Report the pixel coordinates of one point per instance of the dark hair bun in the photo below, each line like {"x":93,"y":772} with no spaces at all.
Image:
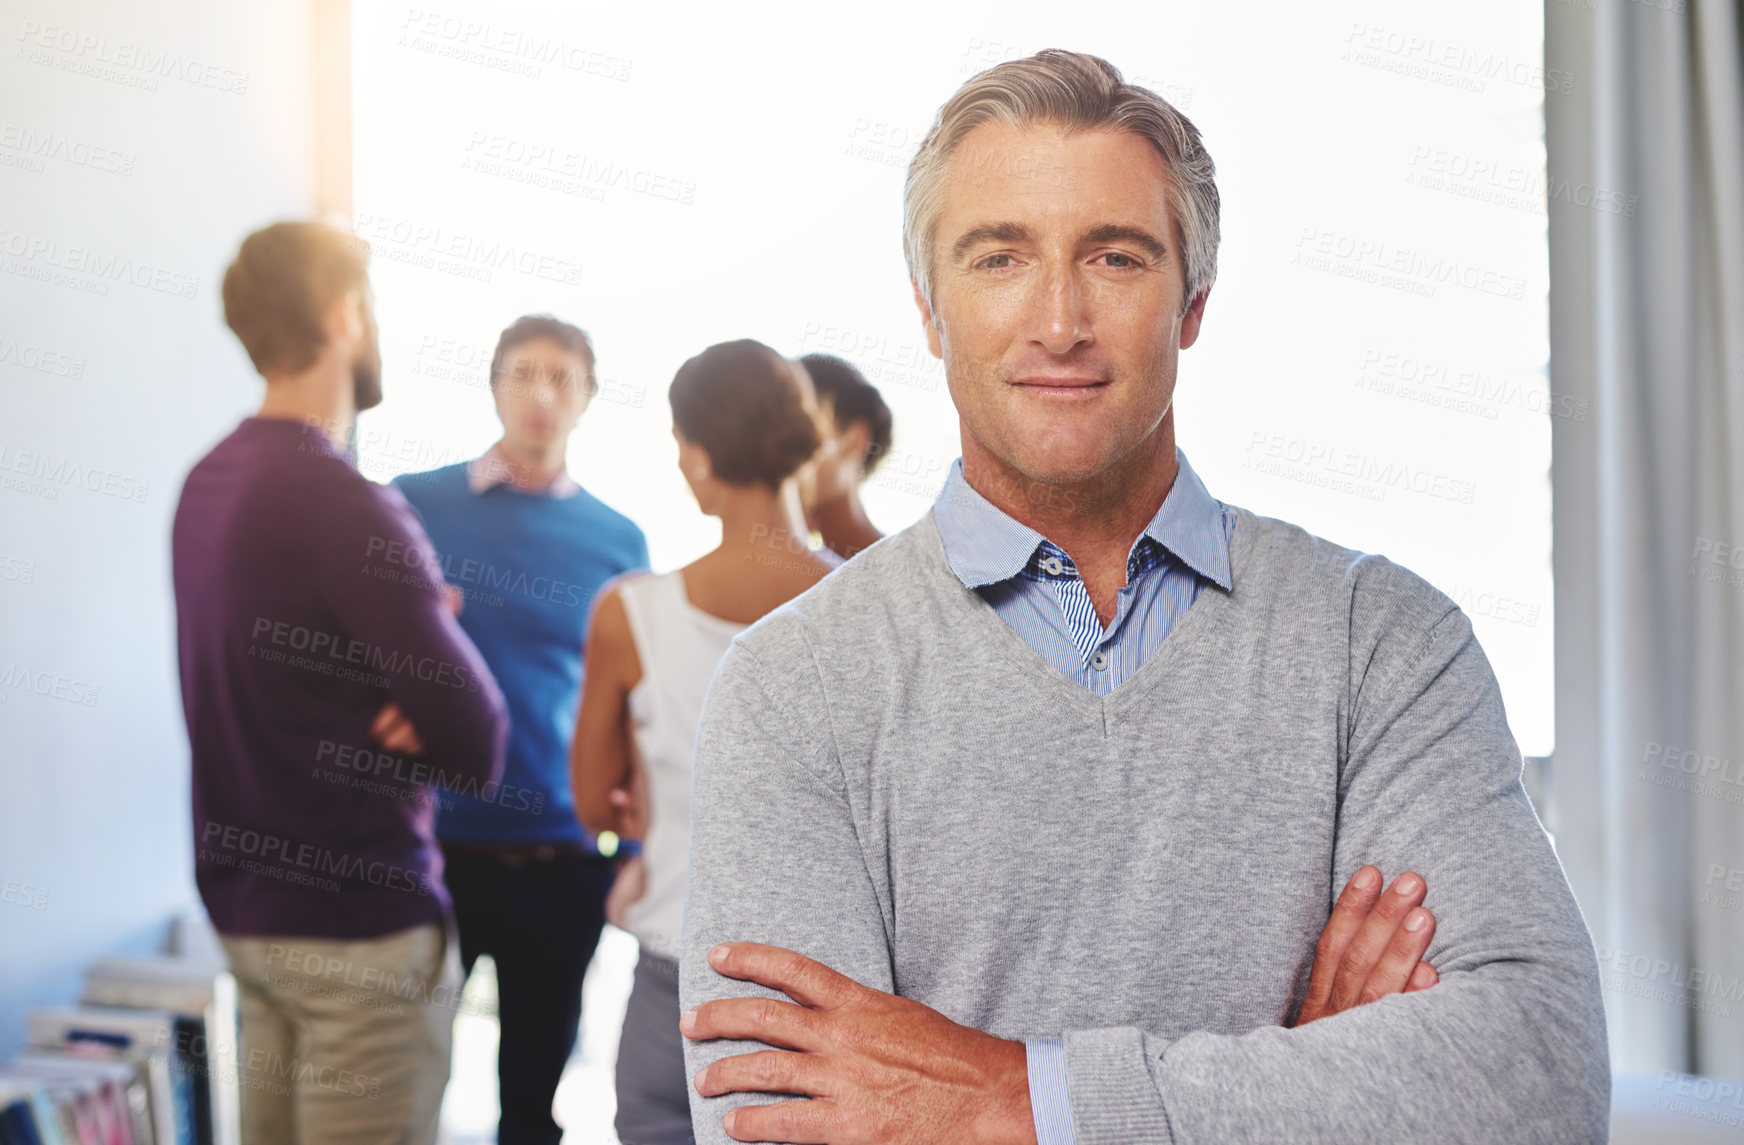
{"x":741,"y":402}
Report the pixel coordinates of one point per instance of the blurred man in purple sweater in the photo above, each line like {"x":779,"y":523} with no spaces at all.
{"x":327,"y":688}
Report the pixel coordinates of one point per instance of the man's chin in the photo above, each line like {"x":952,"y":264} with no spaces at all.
{"x":1069,"y":452}
{"x":537,"y":438}
{"x":1065,"y":465}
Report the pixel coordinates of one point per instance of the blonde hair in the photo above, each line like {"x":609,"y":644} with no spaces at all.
{"x":277,"y":290}
{"x":1081,"y":93}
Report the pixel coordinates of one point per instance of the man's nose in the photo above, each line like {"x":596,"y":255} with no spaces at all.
{"x":1061,"y":315}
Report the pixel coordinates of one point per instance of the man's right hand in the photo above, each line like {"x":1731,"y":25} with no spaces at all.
{"x":391,"y":727}
{"x":1368,"y":949}
{"x":393,"y":731}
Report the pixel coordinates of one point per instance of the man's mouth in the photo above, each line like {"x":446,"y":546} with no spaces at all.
{"x":1064,"y":386}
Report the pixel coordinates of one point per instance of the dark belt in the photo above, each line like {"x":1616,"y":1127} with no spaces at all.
{"x":520,"y":854}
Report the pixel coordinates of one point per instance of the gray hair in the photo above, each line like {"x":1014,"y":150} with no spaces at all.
{"x":1081,"y":93}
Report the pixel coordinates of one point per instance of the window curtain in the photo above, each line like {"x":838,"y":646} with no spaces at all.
{"x":1645,"y":139}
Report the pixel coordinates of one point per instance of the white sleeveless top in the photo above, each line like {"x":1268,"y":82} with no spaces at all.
{"x":679,"y":646}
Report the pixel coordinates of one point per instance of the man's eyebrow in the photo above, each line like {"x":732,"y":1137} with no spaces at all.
{"x":1118,"y":232}
{"x":1017,"y":233}
{"x":989,"y":233}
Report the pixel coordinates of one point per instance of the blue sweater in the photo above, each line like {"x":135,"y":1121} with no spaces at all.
{"x":529,"y":566}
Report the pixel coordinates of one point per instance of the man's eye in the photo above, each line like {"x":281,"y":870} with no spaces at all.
{"x":1123,"y":261}
{"x":988,"y":262}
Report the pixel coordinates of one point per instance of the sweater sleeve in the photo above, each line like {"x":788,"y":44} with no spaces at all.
{"x":1509,"y":1047}
{"x":375,"y":572}
{"x":772,"y":838}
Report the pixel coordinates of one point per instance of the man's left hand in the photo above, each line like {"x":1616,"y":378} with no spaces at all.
{"x":880,"y":1069}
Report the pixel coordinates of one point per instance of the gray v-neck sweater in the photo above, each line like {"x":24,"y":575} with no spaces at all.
{"x":889,"y":780}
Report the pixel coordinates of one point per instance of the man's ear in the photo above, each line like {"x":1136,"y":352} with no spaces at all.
{"x":926,"y":317}
{"x":1192,"y":318}
{"x":345,"y":317}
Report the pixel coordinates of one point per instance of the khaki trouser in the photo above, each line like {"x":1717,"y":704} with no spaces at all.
{"x":345,"y":1041}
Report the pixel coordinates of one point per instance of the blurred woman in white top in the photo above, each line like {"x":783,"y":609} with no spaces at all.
{"x":747,"y":423}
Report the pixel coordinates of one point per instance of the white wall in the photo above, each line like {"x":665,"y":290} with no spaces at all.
{"x":139,"y":141}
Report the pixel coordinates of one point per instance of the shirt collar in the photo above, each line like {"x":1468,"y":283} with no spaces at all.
{"x":984,"y":545}
{"x":494,"y":469}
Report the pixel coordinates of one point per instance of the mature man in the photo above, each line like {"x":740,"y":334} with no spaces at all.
{"x":528,"y":548}
{"x":1042,"y":801}
{"x":308,"y":662}
{"x":857,"y":427}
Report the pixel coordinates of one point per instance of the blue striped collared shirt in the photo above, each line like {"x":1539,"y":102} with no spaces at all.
{"x":1034,"y":587}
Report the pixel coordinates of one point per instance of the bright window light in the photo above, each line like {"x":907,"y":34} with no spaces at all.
{"x":1373,"y":360}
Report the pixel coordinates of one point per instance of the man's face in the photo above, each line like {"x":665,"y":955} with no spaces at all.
{"x":541,"y":392}
{"x":366,"y":363}
{"x":1057,"y":298}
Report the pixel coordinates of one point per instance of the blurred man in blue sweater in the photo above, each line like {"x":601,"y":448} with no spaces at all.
{"x":528,"y":548}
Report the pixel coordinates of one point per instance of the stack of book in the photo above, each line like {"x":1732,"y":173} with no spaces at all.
{"x":148,"y":1057}
{"x":65,"y":1099}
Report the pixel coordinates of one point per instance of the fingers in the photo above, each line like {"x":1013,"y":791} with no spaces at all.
{"x":395,"y":732}
{"x":1422,"y":978}
{"x":768,"y":1020}
{"x":630,"y":808}
{"x":798,"y":1122}
{"x":403,"y":737}
{"x":385,"y":719}
{"x":806,"y":981}
{"x":1371,"y":940}
{"x":1401,"y":958}
{"x":1353,"y":906}
{"x":767,"y":1071}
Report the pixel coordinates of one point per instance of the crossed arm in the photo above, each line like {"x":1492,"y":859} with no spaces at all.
{"x":882,"y":1068}
{"x":1509,"y":1045}
{"x":444,"y":705}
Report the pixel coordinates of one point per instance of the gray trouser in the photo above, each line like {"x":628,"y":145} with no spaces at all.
{"x":653,"y":1090}
{"x":345,"y":1042}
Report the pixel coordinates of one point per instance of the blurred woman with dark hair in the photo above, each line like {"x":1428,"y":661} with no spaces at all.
{"x":746,"y":421}
{"x":857,"y":432}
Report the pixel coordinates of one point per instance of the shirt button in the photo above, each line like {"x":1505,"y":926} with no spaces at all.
{"x":1099,"y":661}
{"x":1052,"y":566}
